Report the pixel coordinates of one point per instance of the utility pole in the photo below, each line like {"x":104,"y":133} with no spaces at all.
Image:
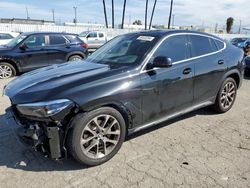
{"x":170,"y":14}
{"x":240,"y":27}
{"x":216,"y":28}
{"x":123,"y":14}
{"x":113,"y":16}
{"x":53,"y":15}
{"x":152,"y":15}
{"x":173,"y":21}
{"x":146,"y":14}
{"x":105,"y":13}
{"x":27,"y":13}
{"x":75,"y":20}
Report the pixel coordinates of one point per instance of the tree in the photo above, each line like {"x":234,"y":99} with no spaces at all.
{"x":230,"y":22}
{"x":137,"y":22}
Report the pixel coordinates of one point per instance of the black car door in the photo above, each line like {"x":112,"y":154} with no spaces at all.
{"x":58,"y":47}
{"x":33,"y":53}
{"x":210,"y":67}
{"x":165,"y":91}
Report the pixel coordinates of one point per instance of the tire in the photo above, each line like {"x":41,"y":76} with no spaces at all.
{"x":75,"y":58}
{"x":83,"y":126}
{"x":223,"y":96}
{"x":7,"y":70}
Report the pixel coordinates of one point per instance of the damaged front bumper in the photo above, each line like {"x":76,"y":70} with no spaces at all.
{"x":48,"y":139}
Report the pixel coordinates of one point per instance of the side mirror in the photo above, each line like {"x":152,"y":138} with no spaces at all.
{"x":162,"y":62}
{"x":23,"y":46}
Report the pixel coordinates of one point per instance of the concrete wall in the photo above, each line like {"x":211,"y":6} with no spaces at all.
{"x":73,"y":29}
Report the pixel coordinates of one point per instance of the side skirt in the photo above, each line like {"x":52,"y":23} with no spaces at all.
{"x":172,"y":116}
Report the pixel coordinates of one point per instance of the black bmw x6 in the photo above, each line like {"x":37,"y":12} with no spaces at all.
{"x":135,"y":81}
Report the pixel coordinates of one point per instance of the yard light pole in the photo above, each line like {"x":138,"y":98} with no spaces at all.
{"x":152,"y":15}
{"x":75,"y":20}
{"x":170,"y":14}
{"x":53,"y":15}
{"x":146,"y":14}
{"x":105,"y":13}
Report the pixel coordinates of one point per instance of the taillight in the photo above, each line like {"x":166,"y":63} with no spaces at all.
{"x":84,"y":45}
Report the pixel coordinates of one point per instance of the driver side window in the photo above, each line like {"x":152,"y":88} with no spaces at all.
{"x":174,"y":47}
{"x":35,"y":41}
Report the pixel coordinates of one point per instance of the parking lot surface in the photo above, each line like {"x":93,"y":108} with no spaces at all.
{"x":200,"y":149}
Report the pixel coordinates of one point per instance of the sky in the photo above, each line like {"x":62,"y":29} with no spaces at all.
{"x":187,"y":12}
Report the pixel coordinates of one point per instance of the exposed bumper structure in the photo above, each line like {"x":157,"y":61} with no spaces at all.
{"x":48,"y":140}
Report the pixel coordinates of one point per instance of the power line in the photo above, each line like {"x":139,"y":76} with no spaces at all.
{"x":75,"y":20}
{"x":151,"y":19}
{"x":105,"y":13}
{"x":53,"y":15}
{"x":123,"y":14}
{"x":146,"y":14}
{"x":27,"y":13}
{"x":113,"y":16}
{"x":170,"y":14}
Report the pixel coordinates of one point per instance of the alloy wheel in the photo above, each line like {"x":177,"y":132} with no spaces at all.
{"x":5,"y":71}
{"x":100,"y":136}
{"x":76,"y":59}
{"x":228,"y":95}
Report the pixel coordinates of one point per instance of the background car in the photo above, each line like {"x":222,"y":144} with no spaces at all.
{"x":6,"y":37}
{"x":239,"y":42}
{"x":94,"y":39}
{"x":34,"y":50}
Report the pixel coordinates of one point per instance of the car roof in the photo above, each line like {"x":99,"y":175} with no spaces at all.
{"x":47,"y":33}
{"x":162,"y":33}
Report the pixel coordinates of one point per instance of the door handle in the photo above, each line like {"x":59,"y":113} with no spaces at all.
{"x":187,"y":71}
{"x":220,"y":62}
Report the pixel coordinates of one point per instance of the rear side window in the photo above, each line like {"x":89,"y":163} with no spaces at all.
{"x":213,"y":45}
{"x":101,"y":35}
{"x":5,"y":36}
{"x":174,"y":47}
{"x":73,"y":38}
{"x":200,"y":45}
{"x":56,"y":40}
{"x":219,"y":44}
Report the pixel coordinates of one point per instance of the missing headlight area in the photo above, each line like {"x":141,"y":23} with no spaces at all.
{"x":46,"y":134}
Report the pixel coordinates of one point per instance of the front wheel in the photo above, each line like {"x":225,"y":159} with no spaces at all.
{"x":6,"y":70}
{"x":75,"y":58}
{"x":226,"y":96}
{"x":96,"y":136}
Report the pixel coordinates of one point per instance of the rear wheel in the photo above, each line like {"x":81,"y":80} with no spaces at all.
{"x":75,"y":58}
{"x":96,"y":136}
{"x":226,"y":96}
{"x":6,"y":70}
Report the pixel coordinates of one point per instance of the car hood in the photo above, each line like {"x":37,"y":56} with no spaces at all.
{"x":46,"y":83}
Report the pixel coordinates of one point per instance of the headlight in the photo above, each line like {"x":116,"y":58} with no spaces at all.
{"x":44,"y":109}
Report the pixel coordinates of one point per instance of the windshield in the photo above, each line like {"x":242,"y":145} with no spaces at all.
{"x":16,"y":41}
{"x":124,"y":50}
{"x":83,"y":34}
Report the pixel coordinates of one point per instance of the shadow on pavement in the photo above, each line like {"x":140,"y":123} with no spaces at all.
{"x":247,"y":76}
{"x":14,"y":154}
{"x":203,"y":111}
